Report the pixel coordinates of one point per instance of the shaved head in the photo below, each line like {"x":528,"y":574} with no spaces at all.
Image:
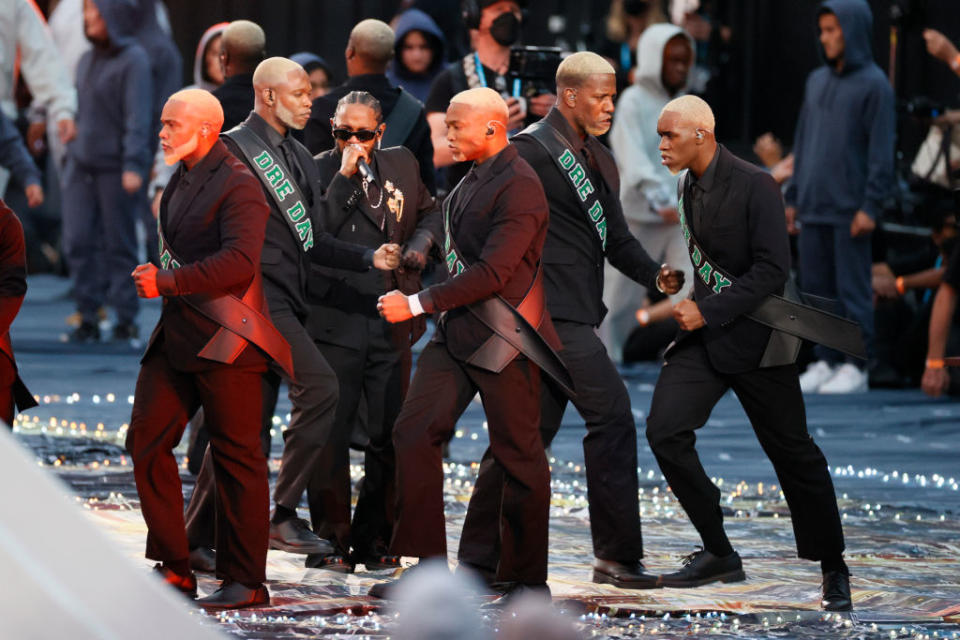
{"x":190,"y":123}
{"x":692,"y":111}
{"x":476,"y":124}
{"x":577,"y":68}
{"x":281,"y":90}
{"x":373,"y":41}
{"x":201,"y":105}
{"x":244,"y":43}
{"x":485,"y":100}
{"x":275,"y":71}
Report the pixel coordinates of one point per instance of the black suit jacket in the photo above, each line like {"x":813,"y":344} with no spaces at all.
{"x":337,"y":296}
{"x":285,"y":265}
{"x":216,"y":231}
{"x":236,"y":97}
{"x":318,"y":137}
{"x":743,"y":230}
{"x":573,"y":255}
{"x":499,"y":222}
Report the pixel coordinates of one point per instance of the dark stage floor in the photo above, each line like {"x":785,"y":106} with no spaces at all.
{"x":893,"y":455}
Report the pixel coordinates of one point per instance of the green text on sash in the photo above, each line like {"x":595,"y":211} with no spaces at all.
{"x":272,"y":173}
{"x":704,"y":269}
{"x":582,"y":185}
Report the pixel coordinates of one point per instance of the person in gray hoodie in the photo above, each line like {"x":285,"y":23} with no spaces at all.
{"x":107,"y":167}
{"x":843,"y":172}
{"x":647,"y":189}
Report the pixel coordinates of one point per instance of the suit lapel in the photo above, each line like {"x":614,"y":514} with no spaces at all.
{"x":718,"y":194}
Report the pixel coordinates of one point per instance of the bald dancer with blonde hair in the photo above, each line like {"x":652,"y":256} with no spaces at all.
{"x":211,"y":223}
{"x":731,"y":216}
{"x":495,"y":224}
{"x":587,"y":228}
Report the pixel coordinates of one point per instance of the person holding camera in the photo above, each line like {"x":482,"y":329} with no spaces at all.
{"x":494,"y":26}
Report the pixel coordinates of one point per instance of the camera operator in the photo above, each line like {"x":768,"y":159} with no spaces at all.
{"x":494,"y":27}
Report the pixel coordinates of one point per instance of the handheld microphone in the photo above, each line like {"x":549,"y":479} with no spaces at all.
{"x":365,"y":171}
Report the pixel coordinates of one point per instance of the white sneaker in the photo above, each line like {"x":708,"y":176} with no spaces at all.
{"x":847,"y":379}
{"x":816,"y":374}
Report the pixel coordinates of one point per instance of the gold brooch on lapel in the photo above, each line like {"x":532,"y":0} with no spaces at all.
{"x":395,"y":199}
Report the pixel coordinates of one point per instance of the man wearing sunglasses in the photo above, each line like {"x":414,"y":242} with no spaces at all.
{"x":372,"y":358}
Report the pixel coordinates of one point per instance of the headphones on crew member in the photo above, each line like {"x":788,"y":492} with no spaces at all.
{"x":470,"y":11}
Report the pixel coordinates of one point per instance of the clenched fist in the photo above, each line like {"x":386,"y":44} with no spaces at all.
{"x":670,"y":280}
{"x":145,"y":278}
{"x":387,"y":257}
{"x":394,"y":307}
{"x":687,"y":314}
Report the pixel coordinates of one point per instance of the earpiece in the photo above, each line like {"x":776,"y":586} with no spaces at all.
{"x":699,"y":135}
{"x":489,"y":131}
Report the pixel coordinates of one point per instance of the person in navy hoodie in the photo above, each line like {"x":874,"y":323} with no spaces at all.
{"x":107,"y":166}
{"x":418,"y":53}
{"x":843,"y":171}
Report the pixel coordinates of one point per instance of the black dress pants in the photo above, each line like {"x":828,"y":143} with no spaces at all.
{"x":609,"y":448}
{"x":686,"y":392}
{"x":314,"y":398}
{"x":376,"y":373}
{"x":165,"y":399}
{"x":441,"y":389}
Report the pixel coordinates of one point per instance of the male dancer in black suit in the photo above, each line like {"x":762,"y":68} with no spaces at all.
{"x":732,"y":217}
{"x":210,"y":349}
{"x":495,"y":223}
{"x":294,"y":238}
{"x":370,"y":356}
{"x":14,"y":394}
{"x":586,"y":227}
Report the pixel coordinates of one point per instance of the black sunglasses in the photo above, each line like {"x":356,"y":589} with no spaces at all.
{"x":363,"y":135}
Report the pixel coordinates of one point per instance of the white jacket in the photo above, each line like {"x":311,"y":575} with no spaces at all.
{"x":22,"y":27}
{"x":645,"y":184}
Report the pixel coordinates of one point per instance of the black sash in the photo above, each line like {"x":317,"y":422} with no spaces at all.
{"x":278,"y":181}
{"x":401,"y":120}
{"x":514,"y":328}
{"x":777,"y":312}
{"x":239,"y":321}
{"x":22,"y":397}
{"x":558,"y":148}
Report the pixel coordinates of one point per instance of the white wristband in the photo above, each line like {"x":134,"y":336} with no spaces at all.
{"x":415,"y":307}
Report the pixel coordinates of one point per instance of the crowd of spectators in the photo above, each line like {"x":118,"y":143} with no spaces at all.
{"x":81,"y":89}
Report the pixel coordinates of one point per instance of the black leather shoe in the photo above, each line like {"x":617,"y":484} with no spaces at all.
{"x":234,"y":595}
{"x":328,"y":561}
{"x":836,"y":592}
{"x":387,"y":590}
{"x":184,"y":584}
{"x":510,"y":591}
{"x":294,"y":535}
{"x":702,"y":567}
{"x":203,"y":559}
{"x":626,"y":576}
{"x":377,"y":562}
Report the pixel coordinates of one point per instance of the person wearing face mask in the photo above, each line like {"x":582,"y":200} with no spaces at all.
{"x":586,"y":229}
{"x":295,"y":237}
{"x":495,"y":25}
{"x":371,"y":357}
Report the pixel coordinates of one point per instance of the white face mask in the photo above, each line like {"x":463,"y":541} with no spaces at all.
{"x":177,"y":154}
